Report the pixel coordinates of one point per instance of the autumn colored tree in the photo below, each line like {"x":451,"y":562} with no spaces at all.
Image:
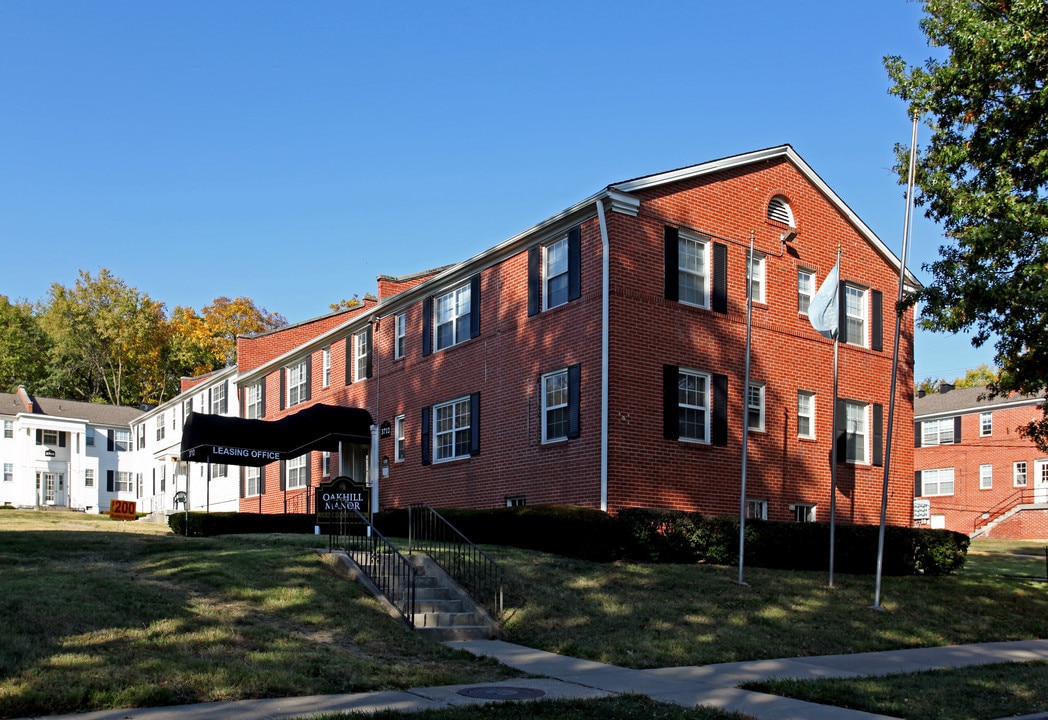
{"x":108,"y":341}
{"x":984,"y":177}
{"x":24,"y":347}
{"x":207,"y":341}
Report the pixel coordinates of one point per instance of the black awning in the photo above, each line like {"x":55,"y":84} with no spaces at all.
{"x":236,"y":441}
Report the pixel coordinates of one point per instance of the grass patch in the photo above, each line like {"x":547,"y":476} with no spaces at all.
{"x":98,"y":618}
{"x":980,"y":691}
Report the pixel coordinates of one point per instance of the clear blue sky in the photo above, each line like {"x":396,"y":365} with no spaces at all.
{"x":292,"y":151}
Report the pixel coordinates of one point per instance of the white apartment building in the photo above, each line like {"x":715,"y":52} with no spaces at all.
{"x":168,"y":485}
{"x":64,"y":453}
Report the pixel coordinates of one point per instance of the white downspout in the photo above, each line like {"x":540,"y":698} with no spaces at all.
{"x":604,"y":323}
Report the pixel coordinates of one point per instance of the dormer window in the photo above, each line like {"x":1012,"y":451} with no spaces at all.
{"x":779,"y":211}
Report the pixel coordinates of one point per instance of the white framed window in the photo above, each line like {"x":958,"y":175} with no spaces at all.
{"x":252,"y":481}
{"x":555,"y":406}
{"x":325,"y":463}
{"x":755,"y":407}
{"x":515,"y":501}
{"x":693,"y":399}
{"x":805,"y":414}
{"x":985,"y":424}
{"x":855,"y":308}
{"x":140,"y":431}
{"x":124,"y":481}
{"x":804,"y":512}
{"x":693,"y":270}
{"x":555,"y":273}
{"x":451,"y":430}
{"x":50,"y":437}
{"x":187,"y":407}
{"x":805,"y":289}
{"x":326,"y":366}
{"x":451,"y":317}
{"x":360,"y":355}
{"x":398,"y":435}
{"x":1019,"y":473}
{"x":937,"y":432}
{"x":122,"y":440}
{"x":89,"y":436}
{"x":9,"y":472}
{"x":89,"y":477}
{"x":400,"y":325}
{"x":756,"y":509}
{"x":986,"y":477}
{"x":297,"y":474}
{"x":937,"y":481}
{"x":297,"y":383}
{"x":9,"y":428}
{"x":161,"y":427}
{"x":219,"y":402}
{"x":755,"y":275}
{"x":856,"y":428}
{"x":253,"y":401}
{"x":219,"y":470}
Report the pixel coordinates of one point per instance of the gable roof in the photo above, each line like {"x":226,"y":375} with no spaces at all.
{"x":960,"y":401}
{"x":93,"y":413}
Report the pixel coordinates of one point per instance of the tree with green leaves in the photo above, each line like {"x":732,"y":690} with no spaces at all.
{"x":984,"y":178}
{"x":24,"y":347}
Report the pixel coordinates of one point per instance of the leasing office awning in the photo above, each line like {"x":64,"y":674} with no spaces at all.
{"x":237,"y":441}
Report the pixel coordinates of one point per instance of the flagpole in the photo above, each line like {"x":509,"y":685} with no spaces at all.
{"x":833,"y":430}
{"x":895,"y":362}
{"x":746,"y":408}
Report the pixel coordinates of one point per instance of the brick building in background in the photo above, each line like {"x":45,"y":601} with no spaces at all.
{"x":598,"y":359}
{"x":972,"y":469}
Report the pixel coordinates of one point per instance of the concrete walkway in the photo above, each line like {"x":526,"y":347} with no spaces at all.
{"x":557,"y":676}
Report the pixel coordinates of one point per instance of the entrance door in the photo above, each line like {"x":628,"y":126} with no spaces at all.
{"x":1040,"y":483}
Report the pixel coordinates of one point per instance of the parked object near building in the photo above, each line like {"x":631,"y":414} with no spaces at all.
{"x":65,"y":454}
{"x":973,"y":472}
{"x":597,"y":359}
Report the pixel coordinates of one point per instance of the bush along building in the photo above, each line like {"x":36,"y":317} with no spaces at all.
{"x":973,"y":472}
{"x":598,"y":359}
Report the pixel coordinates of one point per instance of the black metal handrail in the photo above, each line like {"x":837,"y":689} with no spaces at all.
{"x":391,"y":572}
{"x":1016,"y":498}
{"x":430,"y":532}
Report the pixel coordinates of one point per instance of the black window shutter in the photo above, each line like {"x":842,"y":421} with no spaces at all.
{"x":842,"y":315}
{"x":474,"y":424}
{"x":534,"y":280}
{"x":371,"y":346}
{"x":425,"y":438}
{"x":957,"y":429}
{"x":720,"y":278}
{"x":349,"y":359}
{"x":309,"y":470}
{"x":427,"y":326}
{"x":671,"y":252}
{"x":878,"y":434}
{"x":283,"y":388}
{"x":917,"y":487}
{"x":840,"y":436}
{"x":474,"y":306}
{"x":40,"y":437}
{"x":241,"y":397}
{"x":262,"y":397}
{"x":876,"y":320}
{"x":242,"y":487}
{"x":574,"y":263}
{"x":283,"y":474}
{"x":209,"y":406}
{"x":917,"y":434}
{"x":110,"y":440}
{"x":670,"y":406}
{"x":62,"y":438}
{"x":574,"y":396}
{"x":309,"y":378}
{"x":109,"y":480}
{"x":262,"y":480}
{"x":719,"y":428}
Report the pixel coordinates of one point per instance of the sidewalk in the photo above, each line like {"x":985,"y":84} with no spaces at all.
{"x":558,"y":676}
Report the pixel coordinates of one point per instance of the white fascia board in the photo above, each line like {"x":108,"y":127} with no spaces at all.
{"x":217,"y":377}
{"x":782,"y":151}
{"x":979,"y":409}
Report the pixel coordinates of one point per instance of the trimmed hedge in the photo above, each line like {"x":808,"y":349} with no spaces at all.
{"x":650,"y":535}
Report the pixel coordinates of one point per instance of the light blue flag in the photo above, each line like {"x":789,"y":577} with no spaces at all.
{"x":823,"y":310}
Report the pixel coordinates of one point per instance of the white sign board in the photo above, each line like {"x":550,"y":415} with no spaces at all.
{"x":922,"y":509}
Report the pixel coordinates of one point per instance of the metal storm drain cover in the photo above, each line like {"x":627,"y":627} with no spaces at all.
{"x":502,"y":693}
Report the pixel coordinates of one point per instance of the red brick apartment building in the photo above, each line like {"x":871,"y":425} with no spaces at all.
{"x":598,"y":359}
{"x":973,"y":472}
